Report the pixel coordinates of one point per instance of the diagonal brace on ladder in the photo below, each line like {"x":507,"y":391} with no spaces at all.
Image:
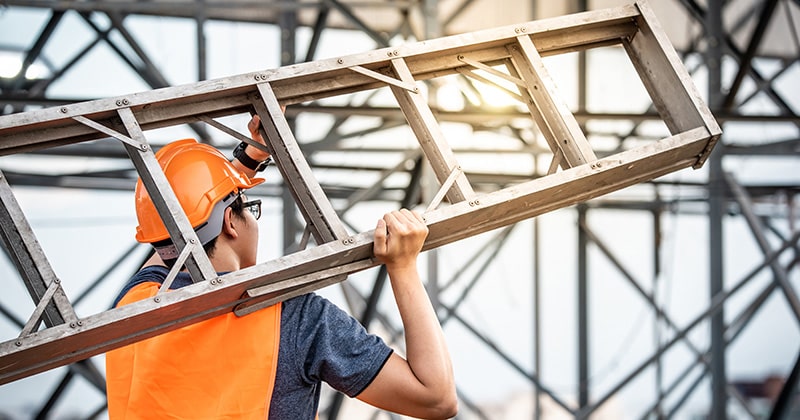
{"x":166,"y":203}
{"x":429,"y":134}
{"x":295,"y":170}
{"x":558,"y":125}
{"x":44,"y":287}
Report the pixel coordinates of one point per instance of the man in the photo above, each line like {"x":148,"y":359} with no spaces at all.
{"x":270,"y":363}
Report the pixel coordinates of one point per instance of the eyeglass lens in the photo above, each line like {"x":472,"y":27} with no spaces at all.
{"x":253,"y":206}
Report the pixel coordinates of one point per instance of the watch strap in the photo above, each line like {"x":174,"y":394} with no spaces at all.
{"x":248,"y":162}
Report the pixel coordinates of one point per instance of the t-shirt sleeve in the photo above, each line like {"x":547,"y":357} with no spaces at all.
{"x":338,"y":349}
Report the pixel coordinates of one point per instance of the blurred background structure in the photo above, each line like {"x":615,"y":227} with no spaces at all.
{"x":675,"y":298}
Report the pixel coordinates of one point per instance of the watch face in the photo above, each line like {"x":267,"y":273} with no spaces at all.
{"x":263,"y":164}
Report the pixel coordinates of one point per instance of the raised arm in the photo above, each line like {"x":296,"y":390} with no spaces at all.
{"x":422,"y":385}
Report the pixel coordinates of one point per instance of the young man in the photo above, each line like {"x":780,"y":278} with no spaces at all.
{"x":270,"y":364}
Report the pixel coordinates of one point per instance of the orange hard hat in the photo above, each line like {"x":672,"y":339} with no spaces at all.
{"x":201,"y":177}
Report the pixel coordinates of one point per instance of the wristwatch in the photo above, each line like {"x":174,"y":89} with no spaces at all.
{"x":248,"y":162}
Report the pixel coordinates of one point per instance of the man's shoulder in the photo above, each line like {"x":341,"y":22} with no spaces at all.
{"x":303,"y":304}
{"x":154,"y":272}
{"x":310,"y":310}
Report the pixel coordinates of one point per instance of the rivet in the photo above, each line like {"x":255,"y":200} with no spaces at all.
{"x":143,"y":147}
{"x":72,"y":325}
{"x":119,"y":103}
{"x":256,"y":77}
{"x":157,"y":299}
{"x":63,"y":110}
{"x":18,"y":343}
{"x":340,"y":61}
{"x":213,"y":281}
{"x":125,"y":101}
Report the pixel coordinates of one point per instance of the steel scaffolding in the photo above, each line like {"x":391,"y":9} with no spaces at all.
{"x":471,"y":195}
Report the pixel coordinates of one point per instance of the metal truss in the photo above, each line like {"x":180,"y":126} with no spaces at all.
{"x":722,"y":197}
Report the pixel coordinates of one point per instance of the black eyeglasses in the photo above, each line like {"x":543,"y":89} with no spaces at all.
{"x":253,"y":206}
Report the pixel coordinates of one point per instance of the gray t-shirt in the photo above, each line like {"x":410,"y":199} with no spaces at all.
{"x":319,"y":343}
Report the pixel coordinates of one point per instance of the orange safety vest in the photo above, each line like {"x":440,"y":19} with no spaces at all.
{"x":220,"y":368}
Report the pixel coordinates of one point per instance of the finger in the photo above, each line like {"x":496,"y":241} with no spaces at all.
{"x":253,"y":124}
{"x":412,"y":219}
{"x":379,"y":242}
{"x":417,"y":215}
{"x":393,"y":220}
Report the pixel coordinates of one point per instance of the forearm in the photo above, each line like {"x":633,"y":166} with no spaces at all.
{"x":422,"y":384}
{"x":426,"y":349}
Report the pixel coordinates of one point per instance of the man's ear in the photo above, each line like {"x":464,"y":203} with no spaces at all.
{"x":229,"y":223}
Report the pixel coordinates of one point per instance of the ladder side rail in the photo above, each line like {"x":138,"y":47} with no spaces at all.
{"x":560,"y":128}
{"x":165,"y":201}
{"x":28,"y":256}
{"x":304,"y":81}
{"x":669,"y":84}
{"x":429,"y":135}
{"x":565,"y":188}
{"x":295,"y":170}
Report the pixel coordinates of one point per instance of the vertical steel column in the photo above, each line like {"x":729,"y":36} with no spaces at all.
{"x":716,"y":212}
{"x":583,"y":242}
{"x":659,"y":315}
{"x":433,"y":29}
{"x":288,"y":27}
{"x":583,"y":317}
{"x":537,"y":359}
{"x":200,"y":24}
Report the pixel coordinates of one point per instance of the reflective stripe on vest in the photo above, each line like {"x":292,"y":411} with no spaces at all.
{"x":220,"y":368}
